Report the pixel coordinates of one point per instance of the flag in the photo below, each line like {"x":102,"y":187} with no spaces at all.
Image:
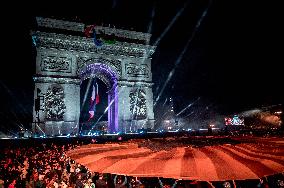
{"x":96,"y":41}
{"x":97,"y":95}
{"x":88,"y":30}
{"x":92,"y":108}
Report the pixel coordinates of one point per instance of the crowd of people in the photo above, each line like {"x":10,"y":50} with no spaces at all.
{"x":167,"y":143}
{"x":46,"y":164}
{"x":40,"y":166}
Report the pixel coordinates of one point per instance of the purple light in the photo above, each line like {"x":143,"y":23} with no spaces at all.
{"x":113,"y":110}
{"x":116,"y":109}
{"x":109,"y":77}
{"x":109,"y":114}
{"x":100,"y":69}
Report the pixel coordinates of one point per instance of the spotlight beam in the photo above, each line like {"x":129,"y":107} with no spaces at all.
{"x":18,"y":103}
{"x":146,"y":55}
{"x":14,"y":134}
{"x":156,"y":43}
{"x":183,"y":52}
{"x":170,"y":24}
{"x":189,"y":114}
{"x":150,"y":25}
{"x":165,"y":101}
{"x":12,"y":123}
{"x":187,"y":107}
{"x":86,"y":93}
{"x":111,"y":102}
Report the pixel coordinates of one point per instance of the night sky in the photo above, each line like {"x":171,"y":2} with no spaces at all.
{"x":233,"y":62}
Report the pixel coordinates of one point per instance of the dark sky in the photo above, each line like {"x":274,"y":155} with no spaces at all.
{"x":233,"y":62}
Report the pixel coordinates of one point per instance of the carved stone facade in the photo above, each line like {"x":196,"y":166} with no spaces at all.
{"x":138,"y":71}
{"x":56,"y":64}
{"x":138,"y":103}
{"x":58,"y":24}
{"x":54,"y":105}
{"x":64,"y":61}
{"x":76,"y":43}
{"x":84,"y":61}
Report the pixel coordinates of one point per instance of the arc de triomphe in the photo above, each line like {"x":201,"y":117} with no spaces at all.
{"x":65,"y":57}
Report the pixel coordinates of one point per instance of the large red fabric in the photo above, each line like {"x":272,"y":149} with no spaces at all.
{"x":248,"y":160}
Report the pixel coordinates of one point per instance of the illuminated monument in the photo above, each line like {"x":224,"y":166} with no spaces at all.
{"x":65,"y":57}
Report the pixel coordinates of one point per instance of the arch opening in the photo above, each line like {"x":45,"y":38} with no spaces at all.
{"x":103,"y":74}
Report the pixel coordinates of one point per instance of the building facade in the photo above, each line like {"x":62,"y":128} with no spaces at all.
{"x":66,"y":57}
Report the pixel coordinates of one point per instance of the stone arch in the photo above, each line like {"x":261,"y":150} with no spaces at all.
{"x":113,"y":64}
{"x":66,"y":60}
{"x":109,"y":77}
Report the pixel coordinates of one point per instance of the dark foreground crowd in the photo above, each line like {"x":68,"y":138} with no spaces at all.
{"x":46,"y":165}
